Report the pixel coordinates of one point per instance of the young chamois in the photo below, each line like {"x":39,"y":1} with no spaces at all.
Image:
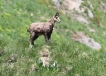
{"x":42,"y":28}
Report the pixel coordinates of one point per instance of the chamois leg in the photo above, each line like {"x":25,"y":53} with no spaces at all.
{"x":46,"y":38}
{"x":35,"y":37}
{"x":49,"y":36}
{"x":32,"y":34}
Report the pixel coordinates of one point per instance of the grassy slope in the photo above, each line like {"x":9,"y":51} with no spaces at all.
{"x":73,"y":59}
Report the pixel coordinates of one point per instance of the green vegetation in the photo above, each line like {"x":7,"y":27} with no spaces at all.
{"x":72,"y":58}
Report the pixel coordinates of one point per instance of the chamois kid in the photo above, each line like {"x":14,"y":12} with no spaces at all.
{"x":42,"y":28}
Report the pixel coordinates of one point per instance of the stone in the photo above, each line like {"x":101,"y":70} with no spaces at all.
{"x":82,"y":19}
{"x":90,"y":14}
{"x":57,"y":3}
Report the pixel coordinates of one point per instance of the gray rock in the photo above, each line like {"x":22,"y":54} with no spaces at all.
{"x":90,"y":14}
{"x":57,"y":3}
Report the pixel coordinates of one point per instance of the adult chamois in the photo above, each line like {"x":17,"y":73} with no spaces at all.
{"x":42,"y":28}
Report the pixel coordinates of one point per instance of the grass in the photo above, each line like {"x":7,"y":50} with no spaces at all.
{"x":72,"y":58}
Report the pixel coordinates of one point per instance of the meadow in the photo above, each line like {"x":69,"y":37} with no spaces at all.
{"x":71,"y":58}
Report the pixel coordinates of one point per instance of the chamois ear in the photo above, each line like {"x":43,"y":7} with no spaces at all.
{"x":57,"y":14}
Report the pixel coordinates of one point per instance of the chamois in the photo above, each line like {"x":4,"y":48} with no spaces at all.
{"x":42,"y":28}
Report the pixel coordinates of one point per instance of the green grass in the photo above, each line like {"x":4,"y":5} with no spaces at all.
{"x":72,"y":58}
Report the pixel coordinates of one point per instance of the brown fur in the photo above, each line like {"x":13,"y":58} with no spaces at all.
{"x":42,"y":28}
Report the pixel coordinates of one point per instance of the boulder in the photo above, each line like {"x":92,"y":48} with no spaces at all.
{"x":90,"y":14}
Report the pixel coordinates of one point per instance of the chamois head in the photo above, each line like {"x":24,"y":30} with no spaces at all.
{"x":56,"y":17}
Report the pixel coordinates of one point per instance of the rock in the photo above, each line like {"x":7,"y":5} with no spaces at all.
{"x":91,"y":30}
{"x":72,"y":5}
{"x":90,"y":14}
{"x":82,"y":19}
{"x":85,"y":39}
{"x":93,"y":44}
{"x":102,"y":6}
{"x":57,"y":3}
{"x":90,"y":5}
